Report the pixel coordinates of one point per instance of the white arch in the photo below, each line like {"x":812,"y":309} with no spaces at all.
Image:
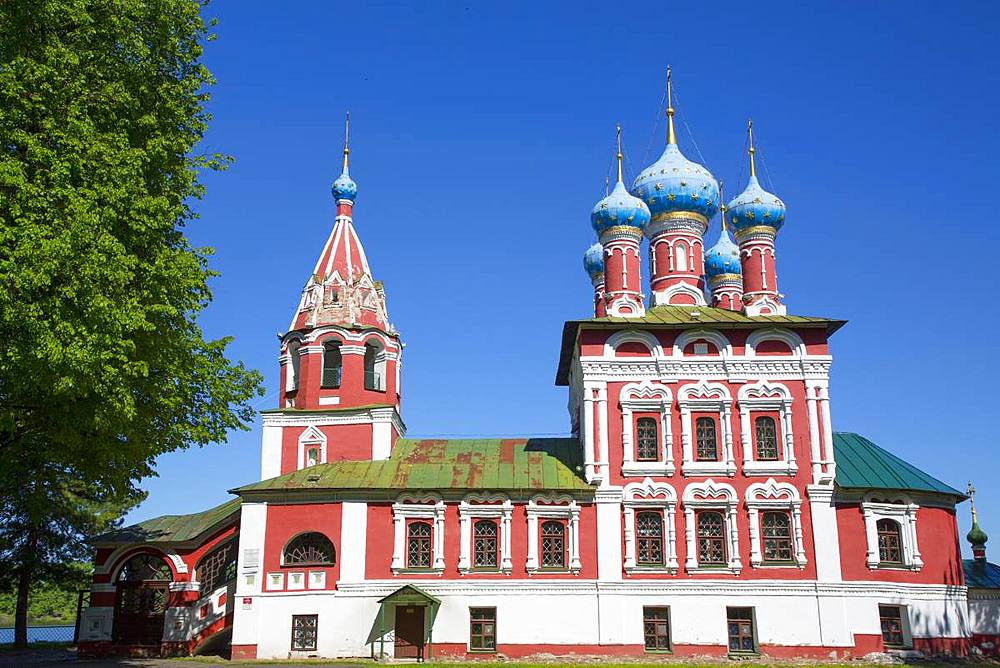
{"x":116,"y":560}
{"x":774,"y":495}
{"x":764,"y":390}
{"x":663,"y":297}
{"x":704,"y":390}
{"x":311,"y":436}
{"x":657,"y":493}
{"x":710,"y":495}
{"x":723,"y":345}
{"x":788,"y":337}
{"x":772,"y":490}
{"x":645,"y":391}
{"x":633,"y":336}
{"x":710,"y":492}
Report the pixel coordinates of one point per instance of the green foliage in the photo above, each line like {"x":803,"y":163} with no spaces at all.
{"x":49,"y":603}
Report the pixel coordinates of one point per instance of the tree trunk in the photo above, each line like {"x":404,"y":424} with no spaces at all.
{"x":25,"y":571}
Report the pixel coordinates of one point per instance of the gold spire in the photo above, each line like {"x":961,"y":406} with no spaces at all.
{"x":971,"y":491}
{"x":753,"y":168}
{"x":671,"y":137}
{"x":619,"y":130}
{"x":347,"y":137}
{"x":722,"y":207}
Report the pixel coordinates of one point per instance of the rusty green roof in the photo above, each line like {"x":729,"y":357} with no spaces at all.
{"x":172,"y":528}
{"x":682,"y":317}
{"x":863,"y":465}
{"x":452,"y":465}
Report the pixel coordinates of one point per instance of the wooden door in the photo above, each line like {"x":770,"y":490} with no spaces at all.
{"x":409,"y":632}
{"x":139,"y":611}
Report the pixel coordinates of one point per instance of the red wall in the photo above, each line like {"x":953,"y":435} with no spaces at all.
{"x":287,"y":521}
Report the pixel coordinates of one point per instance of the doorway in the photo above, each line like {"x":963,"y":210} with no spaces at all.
{"x":409,"y":632}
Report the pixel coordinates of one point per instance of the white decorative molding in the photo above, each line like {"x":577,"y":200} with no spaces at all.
{"x":665,"y":297}
{"x":646,"y":397}
{"x":766,"y":305}
{"x":773,"y":495}
{"x":627,"y":306}
{"x":481,"y":506}
{"x":706,"y":397}
{"x":786,"y":336}
{"x":633,"y":336}
{"x":430,"y":507}
{"x":312,"y":437}
{"x":733,"y":369}
{"x":898,"y":508}
{"x":114,"y":561}
{"x":766,"y":396}
{"x":650,"y":496}
{"x":275,"y":581}
{"x":716,"y":338}
{"x":337,"y":416}
{"x":710,"y":495}
{"x":560,"y":507}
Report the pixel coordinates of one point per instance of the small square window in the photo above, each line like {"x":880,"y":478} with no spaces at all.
{"x":742,"y":634}
{"x":656,"y":628}
{"x":304,"y":632}
{"x":891,"y":618}
{"x":701,"y":349}
{"x":483,"y":629}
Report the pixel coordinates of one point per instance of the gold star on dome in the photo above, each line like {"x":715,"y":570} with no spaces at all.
{"x":650,"y":200}
{"x":756,"y":200}
{"x":671,"y":197}
{"x":749,"y":215}
{"x":629,"y":219}
{"x":659,"y":186}
{"x":694,"y":196}
{"x":766,"y":215}
{"x":603,"y":205}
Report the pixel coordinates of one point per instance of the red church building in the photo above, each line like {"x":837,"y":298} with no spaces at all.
{"x":703,"y":504}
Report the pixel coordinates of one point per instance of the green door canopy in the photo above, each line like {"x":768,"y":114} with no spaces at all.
{"x":405,"y":595}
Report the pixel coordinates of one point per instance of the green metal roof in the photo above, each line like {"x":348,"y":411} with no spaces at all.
{"x":863,"y":465}
{"x":171,"y":528}
{"x":981,"y":574}
{"x":682,"y":317}
{"x":516,"y":464}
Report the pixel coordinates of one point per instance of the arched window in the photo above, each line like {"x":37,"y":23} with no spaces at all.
{"x":890,"y":542}
{"x":418,"y":545}
{"x":649,"y":538}
{"x":332,"y":364}
{"x":553,"y":544}
{"x":766,"y":438}
{"x":776,"y":528}
{"x":485,"y":544}
{"x":293,"y":354}
{"x":217,"y":568}
{"x":680,"y":257}
{"x":711,"y":538}
{"x":309,"y":549}
{"x":145,"y":568}
{"x":706,"y":440}
{"x":646,"y":447}
{"x":374,"y":366}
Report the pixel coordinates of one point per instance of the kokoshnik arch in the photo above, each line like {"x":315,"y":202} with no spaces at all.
{"x":704,"y":503}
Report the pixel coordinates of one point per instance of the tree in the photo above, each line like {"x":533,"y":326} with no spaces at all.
{"x":103,"y":365}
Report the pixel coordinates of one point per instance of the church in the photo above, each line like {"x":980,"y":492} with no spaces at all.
{"x":703,"y":505}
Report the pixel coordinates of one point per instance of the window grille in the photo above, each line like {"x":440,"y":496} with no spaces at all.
{"x":776,"y":527}
{"x":656,"y":628}
{"x":891,"y":618}
{"x":304,"y":632}
{"x":332,"y":365}
{"x":145,"y":568}
{"x":890,"y":543}
{"x":647,"y":449}
{"x":309,"y":549}
{"x":483,"y":629}
{"x":484,"y":544}
{"x":706,"y":440}
{"x":649,"y":538}
{"x":418,"y":545}
{"x":741,"y":630}
{"x":767,"y":438}
{"x":217,"y":568}
{"x":711,"y":538}
{"x":553,"y":544}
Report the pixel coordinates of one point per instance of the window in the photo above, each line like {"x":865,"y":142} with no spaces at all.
{"x":313,"y":455}
{"x":741,"y":630}
{"x":304,"y":629}
{"x":553,"y":544}
{"x":309,"y":549}
{"x":891,"y":617}
{"x":656,"y":629}
{"x":649,"y":536}
{"x":484,"y":544}
{"x":145,"y":568}
{"x":483,"y":629}
{"x":374,"y":367}
{"x":647,"y":449}
{"x":706,"y":439}
{"x":889,"y":542}
{"x":293,"y":353}
{"x":711,"y":538}
{"x":332,"y":364}
{"x":776,"y":527}
{"x":681,"y":260}
{"x":418,"y":545}
{"x":767,"y":438}
{"x":217,"y":568}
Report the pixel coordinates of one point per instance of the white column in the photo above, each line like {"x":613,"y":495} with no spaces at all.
{"x":629,"y":515}
{"x":692,"y":554}
{"x":727,"y":435}
{"x":800,"y":550}
{"x":668,"y":437}
{"x":826,"y":536}
{"x":734,"y":539}
{"x":381,"y":434}
{"x":745,"y":437}
{"x":755,"y":552}
{"x":588,"y":432}
{"x":609,"y":531}
{"x":505,"y":560}
{"x":398,"y":541}
{"x":465,"y":538}
{"x":353,"y":541}
{"x":574,"y":538}
{"x":686,"y":446}
{"x":439,"y":536}
{"x":628,"y":449}
{"x":786,"y":429}
{"x":531,"y":561}
{"x":814,"y":448}
{"x":671,"y":534}
{"x":250,"y":578}
{"x":824,"y":405}
{"x":602,"y":434}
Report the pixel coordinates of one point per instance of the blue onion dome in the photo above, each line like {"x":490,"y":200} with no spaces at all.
{"x":344,"y":187}
{"x":619,"y":209}
{"x":673,"y":183}
{"x":723,"y":257}
{"x":755,"y":207}
{"x":593,"y":260}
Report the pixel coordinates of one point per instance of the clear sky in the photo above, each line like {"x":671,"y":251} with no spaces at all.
{"x":481,"y":137}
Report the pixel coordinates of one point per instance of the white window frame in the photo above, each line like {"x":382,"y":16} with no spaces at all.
{"x":648,"y":495}
{"x":901,"y":510}
{"x":706,"y":397}
{"x":417,"y":508}
{"x":710,"y":495}
{"x":646,"y":398}
{"x":904,"y":618}
{"x":764,"y":396}
{"x":275,"y":581}
{"x":311,"y":437}
{"x":774,"y":495}
{"x":541,"y":507}
{"x":478,"y":507}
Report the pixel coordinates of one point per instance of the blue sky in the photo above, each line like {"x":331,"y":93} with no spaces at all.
{"x":482,"y":134}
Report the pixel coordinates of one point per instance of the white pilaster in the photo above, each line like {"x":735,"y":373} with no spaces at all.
{"x":250,"y":575}
{"x":270,"y":452}
{"x":353,"y":541}
{"x":609,"y":532}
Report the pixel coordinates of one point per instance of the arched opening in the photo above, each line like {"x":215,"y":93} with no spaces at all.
{"x":890,"y":542}
{"x":309,"y":549}
{"x":766,"y":438}
{"x":680,"y":257}
{"x":649,"y":538}
{"x":294,"y":360}
{"x":142,"y":589}
{"x":332,"y":365}
{"x":374,"y":366}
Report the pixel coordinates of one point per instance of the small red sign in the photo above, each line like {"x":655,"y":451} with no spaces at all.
{"x":247,"y":602}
